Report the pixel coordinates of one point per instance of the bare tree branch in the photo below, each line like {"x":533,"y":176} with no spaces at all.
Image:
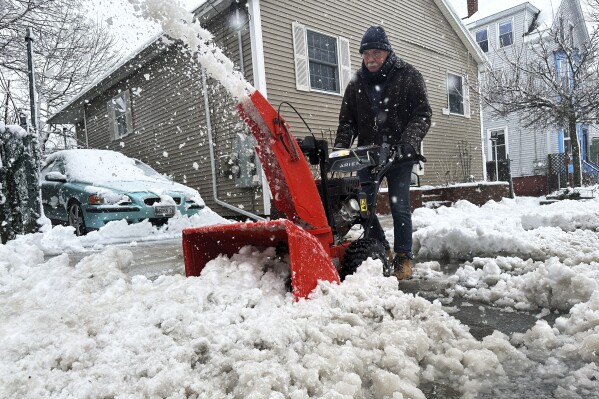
{"x":70,"y":50}
{"x":550,"y":80}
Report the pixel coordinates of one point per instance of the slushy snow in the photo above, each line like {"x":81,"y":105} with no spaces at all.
{"x":94,"y":330}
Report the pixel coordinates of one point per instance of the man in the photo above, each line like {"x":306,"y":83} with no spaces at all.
{"x":387,"y":98}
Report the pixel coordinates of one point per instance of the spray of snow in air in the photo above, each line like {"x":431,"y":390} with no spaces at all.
{"x":178,"y":23}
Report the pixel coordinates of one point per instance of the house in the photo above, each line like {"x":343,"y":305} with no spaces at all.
{"x":508,"y":29}
{"x":161,"y":107}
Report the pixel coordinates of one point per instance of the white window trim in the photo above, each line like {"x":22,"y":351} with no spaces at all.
{"x":302,"y":62}
{"x":499,"y":35}
{"x":486,"y":28}
{"x":112,"y":126}
{"x":465,"y":95}
{"x":490,"y":143}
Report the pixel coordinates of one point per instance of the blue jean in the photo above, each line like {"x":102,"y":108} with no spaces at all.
{"x":398,"y":181}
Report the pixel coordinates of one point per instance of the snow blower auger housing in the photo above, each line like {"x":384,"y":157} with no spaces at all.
{"x":319,"y":214}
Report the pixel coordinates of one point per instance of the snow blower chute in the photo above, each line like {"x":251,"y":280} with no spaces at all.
{"x":305,"y":232}
{"x":319,"y":213}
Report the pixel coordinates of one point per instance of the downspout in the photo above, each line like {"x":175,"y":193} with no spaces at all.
{"x":212,"y":158}
{"x":259,"y":74}
{"x":85,"y":127}
{"x":482,"y":128}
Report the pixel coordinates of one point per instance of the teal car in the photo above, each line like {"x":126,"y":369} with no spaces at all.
{"x":87,"y":188}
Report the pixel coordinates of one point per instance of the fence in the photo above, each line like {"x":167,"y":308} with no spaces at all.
{"x":557,"y":172}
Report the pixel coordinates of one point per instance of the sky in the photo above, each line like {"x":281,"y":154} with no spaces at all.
{"x":490,"y":7}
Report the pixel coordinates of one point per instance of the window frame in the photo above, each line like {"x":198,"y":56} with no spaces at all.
{"x":465,"y":94}
{"x":566,"y":141}
{"x":492,"y":145}
{"x":302,"y":62}
{"x":486,"y":30}
{"x":337,"y":65}
{"x":114,"y":119}
{"x":511,"y":22}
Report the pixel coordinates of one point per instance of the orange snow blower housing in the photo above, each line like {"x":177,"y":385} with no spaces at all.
{"x":318,"y":213}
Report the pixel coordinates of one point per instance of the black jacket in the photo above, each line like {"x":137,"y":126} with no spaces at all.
{"x":404,"y":113}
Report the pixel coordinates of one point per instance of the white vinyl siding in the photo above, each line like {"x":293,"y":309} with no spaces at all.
{"x":329,"y":70}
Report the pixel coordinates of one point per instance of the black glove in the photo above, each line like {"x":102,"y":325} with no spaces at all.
{"x":407,"y":153}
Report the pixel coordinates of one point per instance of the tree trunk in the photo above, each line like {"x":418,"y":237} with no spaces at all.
{"x":577,"y":178}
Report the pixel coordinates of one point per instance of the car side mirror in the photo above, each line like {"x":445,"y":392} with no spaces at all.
{"x":56,"y":177}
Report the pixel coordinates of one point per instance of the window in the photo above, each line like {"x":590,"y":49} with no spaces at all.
{"x":322,"y":57}
{"x":120,"y":120}
{"x":482,"y":38}
{"x":498,"y":147}
{"x":455,"y":90}
{"x":506,"y":34}
{"x":322,"y":62}
{"x":563,"y":72}
{"x":567,"y":146}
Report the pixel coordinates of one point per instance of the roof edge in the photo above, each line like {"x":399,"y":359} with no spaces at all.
{"x":467,"y":39}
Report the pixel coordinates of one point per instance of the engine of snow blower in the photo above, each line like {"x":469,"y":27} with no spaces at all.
{"x":344,"y":200}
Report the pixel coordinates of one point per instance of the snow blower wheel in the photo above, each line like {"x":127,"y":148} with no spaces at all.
{"x":360,"y":250}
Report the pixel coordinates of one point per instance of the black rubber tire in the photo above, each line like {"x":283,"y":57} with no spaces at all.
{"x":75,"y":217}
{"x":360,"y":250}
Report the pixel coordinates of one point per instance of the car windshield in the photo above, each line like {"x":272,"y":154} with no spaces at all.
{"x":101,"y":166}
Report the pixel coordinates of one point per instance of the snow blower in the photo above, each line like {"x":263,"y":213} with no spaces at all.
{"x":319,"y":214}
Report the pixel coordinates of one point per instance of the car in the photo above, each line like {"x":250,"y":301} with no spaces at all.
{"x":87,"y":188}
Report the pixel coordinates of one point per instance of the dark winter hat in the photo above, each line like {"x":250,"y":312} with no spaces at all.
{"x":375,"y":37}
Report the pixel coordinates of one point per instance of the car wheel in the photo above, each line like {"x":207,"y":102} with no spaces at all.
{"x":76,"y":219}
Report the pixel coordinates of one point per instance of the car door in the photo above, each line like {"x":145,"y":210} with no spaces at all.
{"x":53,"y":180}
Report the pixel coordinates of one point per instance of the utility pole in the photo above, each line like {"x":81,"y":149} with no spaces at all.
{"x":33,"y":198}
{"x":6,"y":102}
{"x":31,"y":72}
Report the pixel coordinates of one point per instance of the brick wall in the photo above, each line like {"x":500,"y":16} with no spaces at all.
{"x":530,"y":186}
{"x":477,"y":194}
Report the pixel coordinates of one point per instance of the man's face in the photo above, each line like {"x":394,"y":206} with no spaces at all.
{"x":374,"y":59}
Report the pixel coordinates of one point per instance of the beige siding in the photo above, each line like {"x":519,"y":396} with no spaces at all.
{"x":169,"y":116}
{"x":169,"y":121}
{"x":419,"y":33}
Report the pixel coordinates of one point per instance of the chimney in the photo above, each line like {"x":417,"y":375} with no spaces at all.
{"x":472,"y":7}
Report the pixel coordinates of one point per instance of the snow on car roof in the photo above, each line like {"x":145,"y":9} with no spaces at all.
{"x":100,"y":166}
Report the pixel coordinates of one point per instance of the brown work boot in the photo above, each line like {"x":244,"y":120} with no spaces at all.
{"x":390,"y":256}
{"x":402,"y":264}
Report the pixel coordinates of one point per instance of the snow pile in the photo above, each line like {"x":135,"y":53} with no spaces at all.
{"x":98,"y":329}
{"x":518,"y":227}
{"x":59,"y":239}
{"x":233,"y":331}
{"x":16,"y":130}
{"x":526,"y":285}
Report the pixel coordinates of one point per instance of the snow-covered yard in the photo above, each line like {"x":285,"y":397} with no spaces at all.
{"x":95,"y":330}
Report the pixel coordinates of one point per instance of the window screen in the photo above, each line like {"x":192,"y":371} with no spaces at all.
{"x":455,"y":91}
{"x":506,"y":34}
{"x":322,"y":56}
{"x":482,"y":38}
